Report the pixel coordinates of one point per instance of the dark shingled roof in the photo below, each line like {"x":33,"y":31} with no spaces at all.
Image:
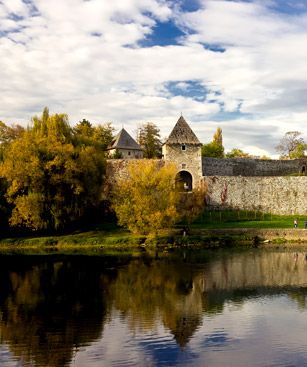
{"x":182,"y":134}
{"x":124,"y":141}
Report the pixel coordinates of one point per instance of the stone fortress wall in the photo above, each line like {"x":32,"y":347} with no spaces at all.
{"x":270,"y":194}
{"x":254,"y":184}
{"x":252,"y":167}
{"x":276,"y":195}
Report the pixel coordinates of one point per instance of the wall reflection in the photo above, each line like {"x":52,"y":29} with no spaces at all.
{"x":50,"y":307}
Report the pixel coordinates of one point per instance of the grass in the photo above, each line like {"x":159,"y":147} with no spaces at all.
{"x":107,"y":235}
{"x":111,"y":237}
{"x":246,"y":219}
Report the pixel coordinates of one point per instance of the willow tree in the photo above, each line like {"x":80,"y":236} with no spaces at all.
{"x":146,"y":201}
{"x":52,"y":178}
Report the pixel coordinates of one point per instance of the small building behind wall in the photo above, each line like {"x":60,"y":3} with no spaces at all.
{"x":125,"y":147}
{"x":184,"y":149}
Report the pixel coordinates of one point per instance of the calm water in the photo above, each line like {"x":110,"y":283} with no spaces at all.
{"x":185,"y":309}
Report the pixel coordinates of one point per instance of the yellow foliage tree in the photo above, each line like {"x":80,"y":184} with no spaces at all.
{"x":54,"y":178}
{"x":146,"y":201}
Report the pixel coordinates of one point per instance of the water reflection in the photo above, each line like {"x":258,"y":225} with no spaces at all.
{"x":172,"y":310}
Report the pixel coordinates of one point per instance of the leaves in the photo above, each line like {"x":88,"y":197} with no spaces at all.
{"x":291,"y":145}
{"x":53,"y":175}
{"x":149,"y":139}
{"x":215,"y":149}
{"x":146,"y":201}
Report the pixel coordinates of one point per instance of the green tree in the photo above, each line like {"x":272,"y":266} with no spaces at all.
{"x":299,"y":151}
{"x":291,"y":145}
{"x":214,"y":149}
{"x":100,"y":135}
{"x":53,"y":177}
{"x":149,"y":139}
{"x":145,"y":201}
{"x":237,"y":153}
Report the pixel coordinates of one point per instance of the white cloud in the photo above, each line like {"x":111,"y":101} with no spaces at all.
{"x":73,"y":57}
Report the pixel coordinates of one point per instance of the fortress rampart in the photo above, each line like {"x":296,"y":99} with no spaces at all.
{"x":278,"y":195}
{"x":252,"y":167}
{"x":275,"y":194}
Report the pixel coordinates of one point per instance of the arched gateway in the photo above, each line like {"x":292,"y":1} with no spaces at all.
{"x":184,"y":150}
{"x":184,"y":181}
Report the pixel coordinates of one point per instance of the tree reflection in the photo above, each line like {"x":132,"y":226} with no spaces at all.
{"x":148,"y":291}
{"x":50,"y":308}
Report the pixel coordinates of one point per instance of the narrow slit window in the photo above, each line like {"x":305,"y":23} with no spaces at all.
{"x":183,"y":147}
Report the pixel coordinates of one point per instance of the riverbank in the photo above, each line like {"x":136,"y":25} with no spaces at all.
{"x":119,"y":239}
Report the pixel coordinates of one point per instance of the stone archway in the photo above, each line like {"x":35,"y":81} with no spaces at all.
{"x":184,"y":181}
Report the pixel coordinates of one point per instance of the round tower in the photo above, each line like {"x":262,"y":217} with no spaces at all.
{"x":184,"y":149}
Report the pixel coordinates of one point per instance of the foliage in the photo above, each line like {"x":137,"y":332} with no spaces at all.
{"x":149,"y":139}
{"x":146,"y":201}
{"x":192,"y":204}
{"x":10,"y":133}
{"x":215,"y":149}
{"x":54,"y":175}
{"x":116,"y":155}
{"x":100,"y":136}
{"x":291,"y":145}
{"x":237,"y":153}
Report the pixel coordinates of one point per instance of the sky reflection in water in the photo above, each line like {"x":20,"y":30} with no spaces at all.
{"x":212,"y":309}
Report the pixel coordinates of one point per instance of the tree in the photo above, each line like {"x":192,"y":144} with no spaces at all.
{"x":291,"y":145}
{"x":237,"y":153}
{"x":215,"y":149}
{"x":149,"y":140}
{"x":145,"y":201}
{"x":10,"y":133}
{"x":100,"y":135}
{"x":53,"y":177}
{"x":192,"y":204}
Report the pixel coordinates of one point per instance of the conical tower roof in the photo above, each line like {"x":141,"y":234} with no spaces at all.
{"x":124,"y":141}
{"x":182,"y":134}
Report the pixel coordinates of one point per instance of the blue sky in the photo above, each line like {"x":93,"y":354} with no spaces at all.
{"x":238,"y":65}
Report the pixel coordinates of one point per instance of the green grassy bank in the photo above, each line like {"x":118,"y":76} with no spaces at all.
{"x":212,"y":229}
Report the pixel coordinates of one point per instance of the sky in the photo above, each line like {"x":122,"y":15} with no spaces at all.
{"x":236,"y":64}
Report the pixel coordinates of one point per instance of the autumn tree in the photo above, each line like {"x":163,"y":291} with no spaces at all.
{"x":215,"y":148}
{"x":53,"y":176}
{"x":149,"y":139}
{"x":192,"y":204}
{"x":237,"y":153}
{"x":145,"y":201}
{"x":291,"y":145}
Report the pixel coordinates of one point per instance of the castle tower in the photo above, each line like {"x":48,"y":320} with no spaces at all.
{"x":184,"y":149}
{"x":126,"y":146}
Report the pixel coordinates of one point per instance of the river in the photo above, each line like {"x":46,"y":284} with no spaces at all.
{"x":185,"y":308}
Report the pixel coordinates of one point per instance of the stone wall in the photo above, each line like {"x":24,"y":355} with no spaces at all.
{"x":252,"y":167}
{"x":279,"y":195}
{"x":117,"y":169}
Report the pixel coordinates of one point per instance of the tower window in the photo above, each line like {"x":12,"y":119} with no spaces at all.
{"x":183,"y":147}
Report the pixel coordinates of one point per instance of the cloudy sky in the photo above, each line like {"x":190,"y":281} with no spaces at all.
{"x":239,"y":65}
